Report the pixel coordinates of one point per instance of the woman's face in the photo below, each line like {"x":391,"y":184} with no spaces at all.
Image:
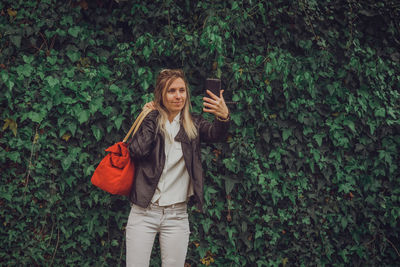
{"x":175,"y":96}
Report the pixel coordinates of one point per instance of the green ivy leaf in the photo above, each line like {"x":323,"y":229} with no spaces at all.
{"x":350,"y":124}
{"x":229,"y":184}
{"x":66,"y":163}
{"x":141,"y":71}
{"x":259,"y":60}
{"x":96,"y":132}
{"x":16,"y":40}
{"x":52,"y":60}
{"x":25,"y":70}
{"x":206,"y":225}
{"x":115,"y":90}
{"x":4,"y":76}
{"x":118,"y":122}
{"x":145,"y":85}
{"x":27,"y":59}
{"x":52,"y":81}
{"x":146,"y":52}
{"x":237,"y":119}
{"x":83,"y":116}
{"x":36,"y":117}
{"x":73,"y":55}
{"x":286,"y":134}
{"x":96,"y":104}
{"x":380,"y":112}
{"x":74,"y":31}
{"x":10,"y":84}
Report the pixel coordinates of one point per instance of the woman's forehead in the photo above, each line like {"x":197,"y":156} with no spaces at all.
{"x":178,"y":83}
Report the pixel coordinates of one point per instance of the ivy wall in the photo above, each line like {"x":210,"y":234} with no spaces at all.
{"x":309,"y":175}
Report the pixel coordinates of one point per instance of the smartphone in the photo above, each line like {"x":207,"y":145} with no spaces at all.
{"x":214,"y":85}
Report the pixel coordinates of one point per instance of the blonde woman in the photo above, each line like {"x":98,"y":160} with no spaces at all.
{"x":166,"y":151}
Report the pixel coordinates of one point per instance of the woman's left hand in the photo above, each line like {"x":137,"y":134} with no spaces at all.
{"x":150,"y":105}
{"x":216,"y":105}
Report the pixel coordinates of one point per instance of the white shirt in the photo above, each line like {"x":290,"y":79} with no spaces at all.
{"x":174,"y":185}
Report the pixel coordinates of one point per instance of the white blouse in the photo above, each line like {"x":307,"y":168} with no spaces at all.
{"x":174,"y":185}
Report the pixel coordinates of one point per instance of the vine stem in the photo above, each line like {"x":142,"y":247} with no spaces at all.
{"x":122,"y":248}
{"x":309,"y":20}
{"x":55,"y":250}
{"x":28,"y":172}
{"x":394,"y":247}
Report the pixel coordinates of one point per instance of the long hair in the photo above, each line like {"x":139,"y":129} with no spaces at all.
{"x":164,"y":80}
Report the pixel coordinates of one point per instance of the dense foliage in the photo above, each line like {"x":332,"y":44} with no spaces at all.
{"x":309,"y":175}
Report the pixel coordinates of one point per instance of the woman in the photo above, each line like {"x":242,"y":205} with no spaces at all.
{"x":166,"y":151}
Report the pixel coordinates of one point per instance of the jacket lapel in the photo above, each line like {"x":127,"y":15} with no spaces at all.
{"x":182,"y":136}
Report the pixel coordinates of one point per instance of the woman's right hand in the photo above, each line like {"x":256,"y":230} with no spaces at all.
{"x":150,"y":105}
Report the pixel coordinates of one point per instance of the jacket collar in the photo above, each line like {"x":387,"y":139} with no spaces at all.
{"x":182,"y":136}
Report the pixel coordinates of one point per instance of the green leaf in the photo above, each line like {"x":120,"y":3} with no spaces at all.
{"x":237,"y":119}
{"x":318,"y":138}
{"x":188,"y":37}
{"x":343,"y":222}
{"x":118,"y":122}
{"x":229,"y":184}
{"x":16,"y":40}
{"x":14,"y":156}
{"x":235,"y":6}
{"x":145,"y":85}
{"x":4,"y":76}
{"x":206,"y":225}
{"x":71,"y":126}
{"x":141,"y":71}
{"x":83,"y":116}
{"x":74,"y":31}
{"x":73,"y":55}
{"x":96,"y":132}
{"x":350,"y":124}
{"x":52,"y":81}
{"x":10,"y":84}
{"x":51,"y":60}
{"x":115,"y":89}
{"x":27,"y":59}
{"x":146,"y":52}
{"x":96,"y":104}
{"x":259,"y":60}
{"x":286,"y":134}
{"x":7,"y":195}
{"x":36,"y":117}
{"x":380,"y":112}
{"x":66,"y":163}
{"x":25,"y":70}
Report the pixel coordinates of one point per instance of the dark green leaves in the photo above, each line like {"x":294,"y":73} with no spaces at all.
{"x":309,"y":172}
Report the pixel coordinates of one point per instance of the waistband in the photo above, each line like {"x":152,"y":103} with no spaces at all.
{"x":182,"y":205}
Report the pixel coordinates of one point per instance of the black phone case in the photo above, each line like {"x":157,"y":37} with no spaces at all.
{"x":214,"y":85}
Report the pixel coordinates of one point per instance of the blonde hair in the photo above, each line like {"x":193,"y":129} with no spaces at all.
{"x":164,"y":80}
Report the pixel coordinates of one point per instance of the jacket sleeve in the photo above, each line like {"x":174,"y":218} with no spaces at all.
{"x":142,"y":143}
{"x":216,"y":131}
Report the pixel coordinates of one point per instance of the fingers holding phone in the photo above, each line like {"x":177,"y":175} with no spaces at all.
{"x":215,"y":103}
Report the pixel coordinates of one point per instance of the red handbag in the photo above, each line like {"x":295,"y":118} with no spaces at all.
{"x":116,"y":171}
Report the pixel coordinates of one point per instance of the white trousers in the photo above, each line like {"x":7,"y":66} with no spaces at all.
{"x":170,"y":222}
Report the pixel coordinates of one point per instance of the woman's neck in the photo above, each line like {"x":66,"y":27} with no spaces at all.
{"x":171,"y":116}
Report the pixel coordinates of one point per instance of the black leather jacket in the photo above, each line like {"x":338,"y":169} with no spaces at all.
{"x":147,"y":150}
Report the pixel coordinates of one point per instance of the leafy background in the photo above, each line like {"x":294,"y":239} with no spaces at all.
{"x":308,"y":176}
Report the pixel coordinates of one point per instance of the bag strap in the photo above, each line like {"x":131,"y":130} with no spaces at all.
{"x":137,"y":123}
